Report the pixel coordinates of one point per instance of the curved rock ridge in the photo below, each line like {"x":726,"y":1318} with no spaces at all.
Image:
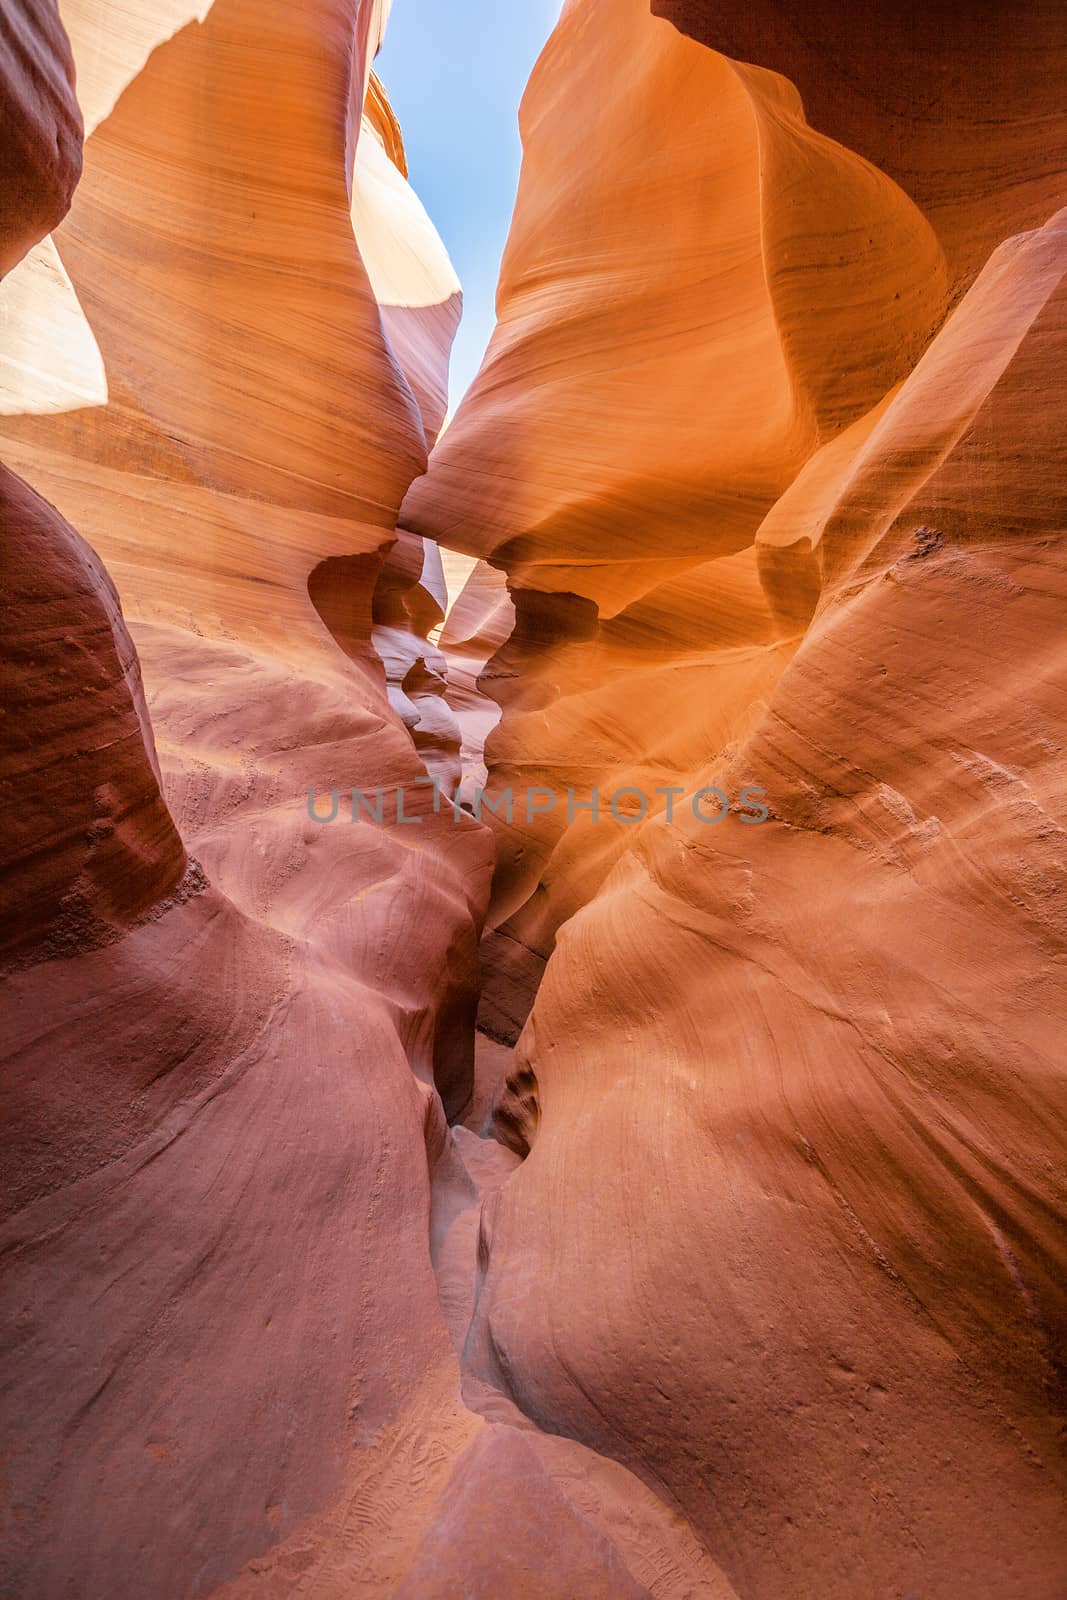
{"x":226,"y":1170}
{"x":787,"y":1238}
{"x":964,"y":109}
{"x":657,"y":380}
{"x":51,"y":359}
{"x":379,"y":112}
{"x":675,"y":295}
{"x":196,"y":109}
{"x":410,"y":273}
{"x":40,"y":126}
{"x":40,"y":161}
{"x":88,"y":844}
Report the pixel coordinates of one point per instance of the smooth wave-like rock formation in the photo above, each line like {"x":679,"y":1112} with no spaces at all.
{"x":768,"y":443}
{"x":692,"y":270}
{"x":229,"y":1363}
{"x":740,"y":1275}
{"x":216,"y":1165}
{"x":964,"y":109}
{"x":657,"y":380}
{"x":40,"y":127}
{"x":88,"y":843}
{"x":830,"y":1048}
{"x":414,"y":282}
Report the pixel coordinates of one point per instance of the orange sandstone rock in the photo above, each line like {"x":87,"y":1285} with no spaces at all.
{"x":758,"y":1289}
{"x":787,"y":1236}
{"x":658,"y":378}
{"x":226,"y":1171}
{"x":810,"y":1071}
{"x":964,"y":109}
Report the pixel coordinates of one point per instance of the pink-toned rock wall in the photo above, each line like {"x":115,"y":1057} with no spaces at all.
{"x":741,"y":1274}
{"x":40,"y":126}
{"x":230,"y":1365}
{"x":220,"y":1126}
{"x":88,"y":843}
{"x":86,"y":840}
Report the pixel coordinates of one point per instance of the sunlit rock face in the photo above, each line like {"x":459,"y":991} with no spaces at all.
{"x":769,"y":444}
{"x":657,"y":380}
{"x":239,"y":1239}
{"x":753,"y":1288}
{"x":962,"y":107}
{"x":223,"y":1080}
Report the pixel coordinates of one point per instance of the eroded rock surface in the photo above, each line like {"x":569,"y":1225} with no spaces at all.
{"x":739,"y":1272}
{"x":40,"y":126}
{"x":216,"y":1274}
{"x":775,"y":475}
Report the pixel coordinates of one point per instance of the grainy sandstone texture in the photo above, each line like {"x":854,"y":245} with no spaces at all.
{"x":726,"y":1259}
{"x":769,"y":446}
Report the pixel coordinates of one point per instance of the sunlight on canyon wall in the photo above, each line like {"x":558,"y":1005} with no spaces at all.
{"x":574,"y":1206}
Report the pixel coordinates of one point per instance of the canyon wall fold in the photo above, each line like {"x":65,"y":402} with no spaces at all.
{"x":768,"y":444}
{"x":657,"y":380}
{"x":233,"y":1021}
{"x":40,"y":130}
{"x":608,"y":1199}
{"x":829,"y":1046}
{"x":222,"y":1077}
{"x":963,"y":109}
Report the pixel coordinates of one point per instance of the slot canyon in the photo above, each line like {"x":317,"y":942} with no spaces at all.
{"x":444,"y":1157}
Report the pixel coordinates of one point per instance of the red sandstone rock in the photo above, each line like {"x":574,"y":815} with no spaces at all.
{"x":87,"y":841}
{"x":205,"y":1116}
{"x":40,"y":126}
{"x":226,"y":1363}
{"x":757,"y":1291}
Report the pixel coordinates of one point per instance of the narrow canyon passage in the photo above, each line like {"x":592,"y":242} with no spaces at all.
{"x":533,"y":939}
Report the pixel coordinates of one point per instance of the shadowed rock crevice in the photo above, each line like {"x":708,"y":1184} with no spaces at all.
{"x":342,"y":591}
{"x":516,"y":1111}
{"x":88,"y":845}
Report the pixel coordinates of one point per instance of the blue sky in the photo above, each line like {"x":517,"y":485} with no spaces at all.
{"x":455,"y":74}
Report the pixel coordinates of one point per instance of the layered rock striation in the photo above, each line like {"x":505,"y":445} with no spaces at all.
{"x":768,"y":443}
{"x":238,"y":1238}
{"x":223,"y":1079}
{"x":739,"y":1271}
